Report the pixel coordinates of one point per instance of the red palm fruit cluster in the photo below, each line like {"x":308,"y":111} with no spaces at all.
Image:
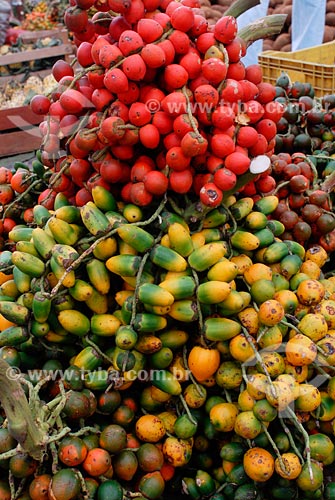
{"x":163,"y":103}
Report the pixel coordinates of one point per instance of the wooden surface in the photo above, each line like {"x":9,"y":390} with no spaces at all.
{"x":21,"y":117}
{"x":31,"y":36}
{"x":22,"y":77}
{"x":19,"y":131}
{"x":32,"y":55}
{"x":66,"y":48}
{"x":21,"y":141}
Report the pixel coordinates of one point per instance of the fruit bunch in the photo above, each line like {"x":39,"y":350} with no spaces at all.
{"x":306,"y":206}
{"x":158,"y":80}
{"x":42,"y":15}
{"x":20,"y":188}
{"x":307,"y":124}
{"x":221,"y":335}
{"x":160,"y":329}
{"x":306,"y":199}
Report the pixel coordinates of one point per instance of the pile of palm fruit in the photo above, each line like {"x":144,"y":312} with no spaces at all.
{"x":167,"y":298}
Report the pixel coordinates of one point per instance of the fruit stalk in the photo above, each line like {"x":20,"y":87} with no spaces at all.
{"x":329,"y":184}
{"x":291,"y":438}
{"x":240,"y":6}
{"x":264,"y":27}
{"x":20,"y":420}
{"x":306,"y":439}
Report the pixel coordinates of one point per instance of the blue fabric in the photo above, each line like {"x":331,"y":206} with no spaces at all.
{"x":308,"y":22}
{"x":251,"y":15}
